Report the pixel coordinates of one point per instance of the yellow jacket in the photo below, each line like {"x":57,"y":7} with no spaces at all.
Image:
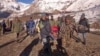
{"x":37,"y":27}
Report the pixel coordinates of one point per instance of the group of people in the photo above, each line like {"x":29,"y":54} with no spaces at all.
{"x":60,"y":30}
{"x":17,"y":26}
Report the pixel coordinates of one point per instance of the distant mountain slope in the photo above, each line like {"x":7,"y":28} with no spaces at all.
{"x":13,"y":6}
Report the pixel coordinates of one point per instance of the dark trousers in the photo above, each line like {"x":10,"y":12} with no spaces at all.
{"x":17,"y":35}
{"x":4,"y":30}
{"x":59,"y":45}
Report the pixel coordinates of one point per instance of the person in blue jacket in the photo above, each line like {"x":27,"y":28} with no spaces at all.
{"x":30,"y":24}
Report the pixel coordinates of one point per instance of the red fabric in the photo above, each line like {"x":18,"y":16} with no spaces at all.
{"x":54,"y":29}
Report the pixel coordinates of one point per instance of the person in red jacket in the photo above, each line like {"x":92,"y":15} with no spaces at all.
{"x":54,"y":27}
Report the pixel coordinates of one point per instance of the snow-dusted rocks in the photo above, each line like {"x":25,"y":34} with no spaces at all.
{"x":14,"y":7}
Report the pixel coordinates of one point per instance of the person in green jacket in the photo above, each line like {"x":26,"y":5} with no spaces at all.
{"x":17,"y":27}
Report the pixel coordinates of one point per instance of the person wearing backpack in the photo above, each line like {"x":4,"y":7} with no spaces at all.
{"x":44,"y":26}
{"x":83,"y":28}
{"x":45,"y":31}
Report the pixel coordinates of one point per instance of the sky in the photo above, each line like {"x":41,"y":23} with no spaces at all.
{"x":25,"y":1}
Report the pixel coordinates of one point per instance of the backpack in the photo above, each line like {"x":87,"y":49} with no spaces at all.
{"x":40,"y":25}
{"x":82,"y":28}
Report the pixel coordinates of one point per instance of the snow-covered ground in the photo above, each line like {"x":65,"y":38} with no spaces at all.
{"x":93,"y":29}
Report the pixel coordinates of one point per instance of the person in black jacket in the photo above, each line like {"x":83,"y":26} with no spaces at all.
{"x":4,"y":26}
{"x":83,"y":28}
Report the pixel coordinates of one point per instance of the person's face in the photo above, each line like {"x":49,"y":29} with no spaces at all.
{"x":44,"y":18}
{"x":59,"y":18}
{"x":63,"y":19}
{"x":30,"y":19}
{"x":17,"y":19}
{"x":51,"y":16}
{"x":3,"y":20}
{"x":83,"y":16}
{"x":47,"y":16}
{"x":67,"y":21}
{"x":52,"y":19}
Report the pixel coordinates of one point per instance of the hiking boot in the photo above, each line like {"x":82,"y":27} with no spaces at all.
{"x":78,"y":40}
{"x":17,"y":40}
{"x":84,"y":43}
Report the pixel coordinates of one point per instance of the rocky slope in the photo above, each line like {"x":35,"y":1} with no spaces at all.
{"x":76,"y":7}
{"x":13,"y":7}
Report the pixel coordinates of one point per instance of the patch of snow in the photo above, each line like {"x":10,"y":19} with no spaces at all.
{"x":93,"y":29}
